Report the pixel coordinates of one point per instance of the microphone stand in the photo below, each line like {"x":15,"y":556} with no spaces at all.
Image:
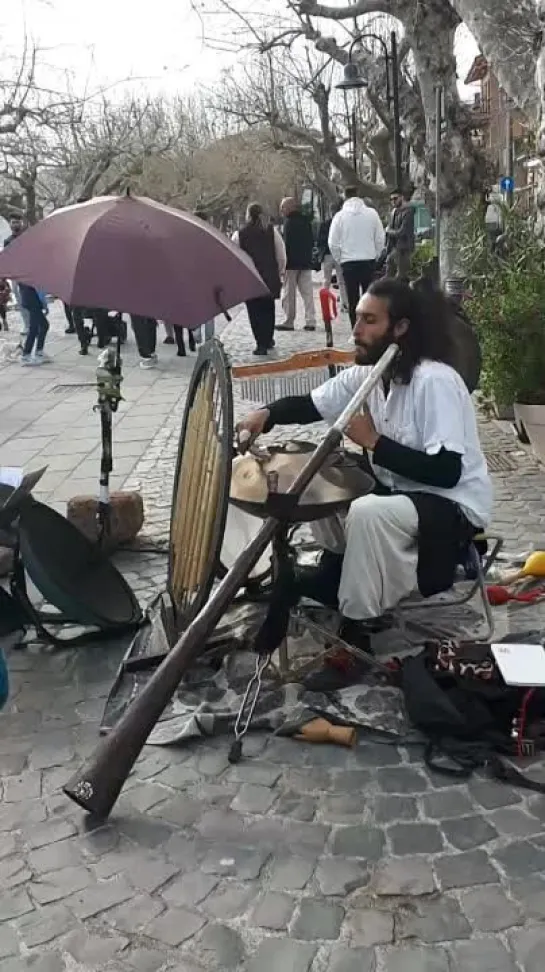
{"x":109,"y":380}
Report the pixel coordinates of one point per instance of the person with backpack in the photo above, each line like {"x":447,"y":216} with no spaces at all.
{"x":432,"y":491}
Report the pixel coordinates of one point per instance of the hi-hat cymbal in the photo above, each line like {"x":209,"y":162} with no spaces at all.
{"x":335,"y":487}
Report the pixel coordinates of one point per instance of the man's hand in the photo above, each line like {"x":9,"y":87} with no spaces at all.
{"x":362,"y":431}
{"x":254,"y":423}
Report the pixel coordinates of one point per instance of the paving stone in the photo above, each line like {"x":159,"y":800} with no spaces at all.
{"x":521,"y":859}
{"x":391,"y":808}
{"x":59,"y":884}
{"x":8,"y":845}
{"x":274,"y":911}
{"x":189,"y":889}
{"x":415,"y":838}
{"x":177,"y":777}
{"x":222,"y":825}
{"x":142,"y":797}
{"x":528,"y":945}
{"x":465,"y":870}
{"x":222,"y":947}
{"x":377,"y":754}
{"x":93,"y":900}
{"x":318,"y":920}
{"x":244,"y":864}
{"x":229,"y":901}
{"x":410,"y":877}
{"x":489,"y":909}
{"x":50,"y":833}
{"x":338,"y":877}
{"x":355,"y":782}
{"x":464,"y":833}
{"x":65,"y":853}
{"x":492,"y":795}
{"x":145,"y":831}
{"x":291,"y":874}
{"x":15,"y":904}
{"x":447,"y":803}
{"x":148,"y":960}
{"x":403,"y":779}
{"x":366,"y":842}
{"x":135,"y":913}
{"x":43,"y":926}
{"x":514,"y":822}
{"x":26,"y":786}
{"x":259,"y":774}
{"x":282,"y":955}
{"x":434,"y":921}
{"x":344,"y":959}
{"x":368,"y":927}
{"x":343,"y":808}
{"x":92,"y":951}
{"x":174,"y":926}
{"x":181,"y":810}
{"x":294,"y":805}
{"x":13,"y":872}
{"x":530,"y":895}
{"x":9,"y":943}
{"x":252,"y":798}
{"x":482,"y":955}
{"x":416,"y":959}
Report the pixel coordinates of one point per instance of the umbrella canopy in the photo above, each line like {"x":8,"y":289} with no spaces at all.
{"x":134,"y":255}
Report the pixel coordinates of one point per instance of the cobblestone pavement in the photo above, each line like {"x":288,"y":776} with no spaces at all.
{"x":300,"y":859}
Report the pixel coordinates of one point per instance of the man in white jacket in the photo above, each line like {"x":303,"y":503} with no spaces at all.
{"x":356,"y":241}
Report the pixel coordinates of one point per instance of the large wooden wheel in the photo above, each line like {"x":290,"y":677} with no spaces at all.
{"x":201,"y":484}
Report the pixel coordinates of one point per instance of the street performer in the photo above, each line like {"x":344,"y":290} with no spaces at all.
{"x":433,"y":491}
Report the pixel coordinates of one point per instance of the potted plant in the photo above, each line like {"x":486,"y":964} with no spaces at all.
{"x":508,"y":309}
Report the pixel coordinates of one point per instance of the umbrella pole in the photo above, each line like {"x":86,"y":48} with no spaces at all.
{"x":109,"y":380}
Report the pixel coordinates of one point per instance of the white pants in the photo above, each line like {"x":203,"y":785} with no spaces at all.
{"x":298,"y":280}
{"x":379,"y":541}
{"x":328,"y":266}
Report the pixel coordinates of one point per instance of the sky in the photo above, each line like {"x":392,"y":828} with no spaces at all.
{"x":104,"y":42}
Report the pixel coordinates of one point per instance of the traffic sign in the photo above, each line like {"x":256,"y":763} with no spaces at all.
{"x":507,"y":184}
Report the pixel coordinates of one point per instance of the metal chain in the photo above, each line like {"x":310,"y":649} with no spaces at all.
{"x":247,"y":708}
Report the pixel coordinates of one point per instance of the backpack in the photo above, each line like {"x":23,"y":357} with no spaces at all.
{"x":455,"y":695}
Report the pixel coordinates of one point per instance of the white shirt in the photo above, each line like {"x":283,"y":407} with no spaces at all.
{"x":433,"y":412}
{"x":356,"y":233}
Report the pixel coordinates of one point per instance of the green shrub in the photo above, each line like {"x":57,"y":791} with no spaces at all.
{"x":508,"y":307}
{"x":423,"y":254}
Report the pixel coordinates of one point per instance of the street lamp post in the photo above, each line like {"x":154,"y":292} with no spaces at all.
{"x":352,"y":80}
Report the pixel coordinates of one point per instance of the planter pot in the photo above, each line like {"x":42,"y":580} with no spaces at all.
{"x":503,"y":411}
{"x":531,"y":419}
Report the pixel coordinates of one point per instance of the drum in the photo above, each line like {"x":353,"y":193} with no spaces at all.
{"x":255,"y":475}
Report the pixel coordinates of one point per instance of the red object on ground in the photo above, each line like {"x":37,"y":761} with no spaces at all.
{"x":328,"y":303}
{"x":498,"y":595}
{"x":134,"y":255}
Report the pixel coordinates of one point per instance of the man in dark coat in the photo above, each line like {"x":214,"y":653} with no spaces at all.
{"x":299,"y":243}
{"x":400,"y":236}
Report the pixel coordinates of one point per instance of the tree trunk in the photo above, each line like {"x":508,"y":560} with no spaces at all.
{"x":505,"y":31}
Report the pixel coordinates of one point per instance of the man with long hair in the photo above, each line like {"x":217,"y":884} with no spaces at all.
{"x":432,"y":492}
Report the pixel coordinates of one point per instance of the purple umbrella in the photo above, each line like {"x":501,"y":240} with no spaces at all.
{"x":134,"y":255}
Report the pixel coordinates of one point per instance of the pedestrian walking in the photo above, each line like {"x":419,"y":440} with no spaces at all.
{"x":175,"y":335}
{"x":356,"y":240}
{"x":38,"y":326}
{"x":17,"y":226}
{"x":400,"y":236}
{"x":329,"y":267}
{"x":299,"y":245}
{"x":5,"y":294}
{"x":263,"y":243}
{"x":145,"y":333}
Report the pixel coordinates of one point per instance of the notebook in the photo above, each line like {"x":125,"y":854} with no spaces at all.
{"x":522,"y":665}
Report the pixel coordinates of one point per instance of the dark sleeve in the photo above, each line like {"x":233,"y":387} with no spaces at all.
{"x":294,"y":410}
{"x":441,"y":470}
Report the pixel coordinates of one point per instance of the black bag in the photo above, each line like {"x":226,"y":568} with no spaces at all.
{"x":455,"y":695}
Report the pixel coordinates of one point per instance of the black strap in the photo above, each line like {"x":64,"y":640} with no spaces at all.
{"x":459,"y":759}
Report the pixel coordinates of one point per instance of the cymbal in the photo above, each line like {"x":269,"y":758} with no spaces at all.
{"x":333,"y":488}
